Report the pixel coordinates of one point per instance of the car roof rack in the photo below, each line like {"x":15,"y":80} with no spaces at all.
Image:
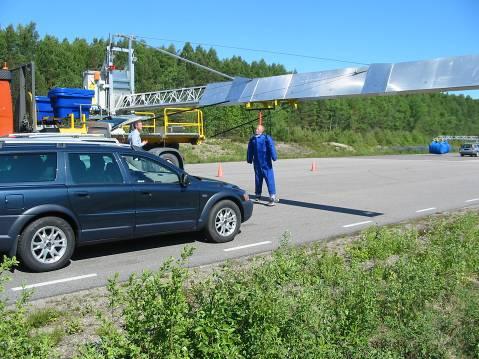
{"x":59,"y":139}
{"x":59,"y":135}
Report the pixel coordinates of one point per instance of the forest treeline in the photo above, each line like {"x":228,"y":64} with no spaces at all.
{"x":60,"y":63}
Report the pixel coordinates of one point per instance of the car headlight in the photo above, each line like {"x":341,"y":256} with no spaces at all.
{"x":245,"y":196}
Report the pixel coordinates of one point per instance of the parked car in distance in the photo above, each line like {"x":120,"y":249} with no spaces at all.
{"x":57,"y":196}
{"x":469,"y":149}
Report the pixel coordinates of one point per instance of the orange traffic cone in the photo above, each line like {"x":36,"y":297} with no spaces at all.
{"x":314,"y":168}
{"x":220,"y":171}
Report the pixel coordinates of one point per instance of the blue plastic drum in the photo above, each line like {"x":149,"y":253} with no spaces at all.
{"x":439,"y":148}
{"x":66,"y":101}
{"x":44,"y":107}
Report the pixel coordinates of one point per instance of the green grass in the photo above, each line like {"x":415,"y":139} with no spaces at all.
{"x":73,"y":326}
{"x":42,"y":317}
{"x":301,"y":143}
{"x":54,"y":336}
{"x":19,"y":333}
{"x":394,"y":293}
{"x":214,"y":151}
{"x":379,"y":243}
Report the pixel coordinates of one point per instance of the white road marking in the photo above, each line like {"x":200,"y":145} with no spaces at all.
{"x":246,"y":246}
{"x":472,"y":200}
{"x":42,"y":284}
{"x":356,"y":224}
{"x":426,"y":209}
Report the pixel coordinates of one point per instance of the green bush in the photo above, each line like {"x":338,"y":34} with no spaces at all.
{"x":381,"y":243}
{"x":394,"y":294}
{"x":17,"y":337}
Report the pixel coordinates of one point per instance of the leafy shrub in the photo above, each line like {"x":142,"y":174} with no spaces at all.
{"x":381,"y":243}
{"x":306,"y":302}
{"x":17,"y":339}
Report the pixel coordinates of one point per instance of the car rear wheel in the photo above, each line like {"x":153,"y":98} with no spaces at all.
{"x":224,"y":222}
{"x":46,"y":244}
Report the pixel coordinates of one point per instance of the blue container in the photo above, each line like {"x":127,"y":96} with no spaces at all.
{"x":66,"y":101}
{"x":439,"y":148}
{"x":44,"y":107}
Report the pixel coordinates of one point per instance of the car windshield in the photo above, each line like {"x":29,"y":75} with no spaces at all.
{"x":467,"y":145}
{"x":114,"y":121}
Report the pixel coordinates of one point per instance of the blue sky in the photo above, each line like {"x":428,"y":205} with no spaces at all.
{"x":363,"y":31}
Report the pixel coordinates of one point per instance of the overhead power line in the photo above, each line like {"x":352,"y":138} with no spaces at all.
{"x":255,"y":50}
{"x":190,"y":62}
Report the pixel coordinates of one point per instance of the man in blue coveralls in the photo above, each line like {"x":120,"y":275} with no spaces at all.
{"x":261,"y":153}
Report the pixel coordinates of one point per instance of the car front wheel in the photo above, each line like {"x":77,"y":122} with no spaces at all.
{"x":46,"y":244}
{"x":224,"y":222}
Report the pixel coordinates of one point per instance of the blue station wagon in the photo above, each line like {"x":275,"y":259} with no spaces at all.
{"x":57,"y":196}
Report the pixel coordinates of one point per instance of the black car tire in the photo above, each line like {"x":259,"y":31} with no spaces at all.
{"x":25,"y":252}
{"x":225,"y":207}
{"x":169,"y":157}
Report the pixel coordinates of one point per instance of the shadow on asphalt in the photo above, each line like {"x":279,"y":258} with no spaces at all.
{"x":324,"y":207}
{"x":134,"y":245}
{"x":125,"y":246}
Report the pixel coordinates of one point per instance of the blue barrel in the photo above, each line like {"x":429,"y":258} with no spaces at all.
{"x":66,"y":101}
{"x":44,"y":107}
{"x":439,"y":148}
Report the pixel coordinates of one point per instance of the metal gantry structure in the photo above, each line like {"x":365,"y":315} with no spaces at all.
{"x":442,"y":138}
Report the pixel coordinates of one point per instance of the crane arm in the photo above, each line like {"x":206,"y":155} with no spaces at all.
{"x":436,"y":75}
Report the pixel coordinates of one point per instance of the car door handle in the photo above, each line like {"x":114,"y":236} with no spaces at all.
{"x":149,"y":194}
{"x":82,"y":194}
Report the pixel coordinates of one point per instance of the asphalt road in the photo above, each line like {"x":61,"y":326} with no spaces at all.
{"x":343,"y":196}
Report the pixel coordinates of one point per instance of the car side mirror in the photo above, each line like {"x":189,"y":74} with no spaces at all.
{"x":184,"y":179}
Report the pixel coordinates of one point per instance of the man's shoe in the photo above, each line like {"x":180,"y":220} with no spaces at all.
{"x":256,"y":199}
{"x":271,"y":203}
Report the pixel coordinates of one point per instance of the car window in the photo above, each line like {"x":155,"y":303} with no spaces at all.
{"x":26,"y":167}
{"x":145,"y":170}
{"x":94,"y":168}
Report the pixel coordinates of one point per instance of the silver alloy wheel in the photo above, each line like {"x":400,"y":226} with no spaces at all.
{"x":49,"y":244}
{"x":225,"y":222}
